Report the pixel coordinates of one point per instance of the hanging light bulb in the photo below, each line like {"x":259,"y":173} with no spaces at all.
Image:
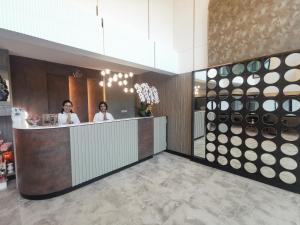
{"x":102,"y":73}
{"x":131,"y":90}
{"x":110,"y":79}
{"x":107,"y":71}
{"x":120,"y":75}
{"x":125,"y":75}
{"x":109,"y":84}
{"x":101,"y":83}
{"x":126,"y":90}
{"x":125,"y":82}
{"x":130,"y":74}
{"x":115,"y":78}
{"x":120,"y":83}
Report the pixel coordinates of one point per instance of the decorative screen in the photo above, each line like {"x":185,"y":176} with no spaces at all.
{"x":252,"y":119}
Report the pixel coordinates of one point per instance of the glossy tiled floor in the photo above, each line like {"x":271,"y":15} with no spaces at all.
{"x":164,"y":190}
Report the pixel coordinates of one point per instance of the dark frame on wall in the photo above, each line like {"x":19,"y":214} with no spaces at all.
{"x":285,"y":176}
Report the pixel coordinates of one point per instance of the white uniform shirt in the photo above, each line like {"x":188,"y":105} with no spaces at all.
{"x":62,"y":118}
{"x":99,"y":117}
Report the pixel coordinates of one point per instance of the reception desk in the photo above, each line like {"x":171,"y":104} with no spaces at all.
{"x":55,"y":160}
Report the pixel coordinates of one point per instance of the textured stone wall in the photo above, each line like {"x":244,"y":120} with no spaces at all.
{"x":244,"y":29}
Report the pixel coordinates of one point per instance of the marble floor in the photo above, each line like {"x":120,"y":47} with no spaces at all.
{"x":164,"y":190}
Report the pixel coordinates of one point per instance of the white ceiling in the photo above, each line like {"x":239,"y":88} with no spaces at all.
{"x":27,"y":46}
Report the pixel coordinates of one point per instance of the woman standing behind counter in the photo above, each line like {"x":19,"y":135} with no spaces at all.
{"x":67,"y":116}
{"x":103,"y":115}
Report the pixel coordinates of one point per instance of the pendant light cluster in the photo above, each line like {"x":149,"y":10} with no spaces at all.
{"x":121,"y":79}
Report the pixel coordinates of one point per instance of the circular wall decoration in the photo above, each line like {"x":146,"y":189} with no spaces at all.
{"x":251,"y":143}
{"x":236,"y":140}
{"x":222,"y":149}
{"x":223,"y":128}
{"x":237,"y":93}
{"x":254,"y":66}
{"x":252,"y":105}
{"x":210,"y":147}
{"x":224,"y":71}
{"x":269,"y":132}
{"x":211,"y":126}
{"x":236,"y":105}
{"x":253,"y":92}
{"x":250,"y":155}
{"x":211,"y":94}
{"x":268,"y":159}
{"x":223,"y":94}
{"x":210,"y":157}
{"x":211,"y":137}
{"x":212,"y":73}
{"x":292,"y":75}
{"x":271,"y":91}
{"x":270,"y":105}
{"x":224,"y":83}
{"x":253,"y":79}
{"x":238,"y":69}
{"x":222,"y":138}
{"x":291,"y":90}
{"x":290,"y":120}
{"x":237,"y":81}
{"x":223,"y":105}
{"x":289,"y":149}
{"x":211,"y":105}
{"x":222,"y":160}
{"x":293,"y":59}
{"x":271,"y":78}
{"x":251,"y":131}
{"x":211,"y":116}
{"x":287,"y":177}
{"x":211,"y":84}
{"x":236,"y":117}
{"x":268,"y":146}
{"x":269,"y":119}
{"x":289,"y":134}
{"x":288,"y":163}
{"x":272,"y":63}
{"x":250,"y":167}
{"x":236,"y":129}
{"x":235,"y":152}
{"x":291,"y":105}
{"x":236,"y":164}
{"x":267,"y":172}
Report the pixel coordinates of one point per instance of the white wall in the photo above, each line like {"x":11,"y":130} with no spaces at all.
{"x":190,"y":34}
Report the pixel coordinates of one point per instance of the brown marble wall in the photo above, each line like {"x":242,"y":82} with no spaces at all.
{"x":176,"y":103}
{"x":40,"y":87}
{"x":240,"y":30}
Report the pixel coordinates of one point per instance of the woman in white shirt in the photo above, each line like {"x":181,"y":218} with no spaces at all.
{"x":103,"y":115}
{"x":67,"y":116}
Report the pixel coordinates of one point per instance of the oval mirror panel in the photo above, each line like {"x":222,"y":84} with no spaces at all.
{"x":293,"y":59}
{"x":224,"y":71}
{"x":250,"y":167}
{"x":267,"y":172}
{"x":252,"y":105}
{"x":238,"y":69}
{"x":236,"y":129}
{"x":211,"y":105}
{"x":289,"y":149}
{"x":211,"y":94}
{"x":237,"y":93}
{"x":270,"y":105}
{"x":291,"y":90}
{"x":253,"y":79}
{"x":212,"y":73}
{"x":288,"y":163}
{"x":222,"y":149}
{"x":223,"y":117}
{"x":268,"y":146}
{"x":268,"y":159}
{"x":237,"y":81}
{"x":223,"y":105}
{"x":224,"y":83}
{"x":211,"y":116}
{"x":291,"y":105}
{"x":252,"y":92}
{"x":222,"y":160}
{"x":223,"y":94}
{"x":253,"y":66}
{"x":211,"y":126}
{"x":235,"y":152}
{"x":236,"y":105}
{"x":210,"y":157}
{"x":236,"y":164}
{"x":271,"y":78}
{"x":222,"y":138}
{"x":250,"y":155}
{"x":271,"y":91}
{"x":236,"y":118}
{"x":289,"y":134}
{"x":270,"y":119}
{"x":251,"y":131}
{"x":236,"y":141}
{"x":251,"y":143}
{"x":272,"y":63}
{"x":211,"y":137}
{"x":223,"y":128}
{"x":269,"y":132}
{"x":292,"y":75}
{"x":211,"y":84}
{"x":287,"y":177}
{"x":252,"y":118}
{"x":211,"y":147}
{"x":290,"y":120}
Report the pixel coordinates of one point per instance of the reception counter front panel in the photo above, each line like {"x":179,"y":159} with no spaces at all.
{"x":55,"y":160}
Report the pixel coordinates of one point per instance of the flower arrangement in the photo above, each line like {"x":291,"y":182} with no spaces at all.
{"x":3,"y":90}
{"x":148,"y":96}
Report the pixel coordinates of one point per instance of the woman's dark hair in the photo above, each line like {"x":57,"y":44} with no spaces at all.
{"x":103,"y":103}
{"x":63,"y":104}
